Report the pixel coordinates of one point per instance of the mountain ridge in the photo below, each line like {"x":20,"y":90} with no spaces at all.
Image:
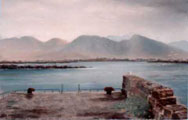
{"x":86,"y":47}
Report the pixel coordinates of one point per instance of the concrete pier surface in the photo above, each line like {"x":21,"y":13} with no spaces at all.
{"x":66,"y":106}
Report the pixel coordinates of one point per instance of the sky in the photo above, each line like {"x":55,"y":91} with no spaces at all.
{"x":163,"y":20}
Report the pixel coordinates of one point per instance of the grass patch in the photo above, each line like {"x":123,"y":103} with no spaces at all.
{"x":136,"y":106}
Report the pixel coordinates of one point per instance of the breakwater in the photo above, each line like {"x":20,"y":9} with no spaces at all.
{"x":163,"y":103}
{"x":151,"y":60}
{"x":38,"y":67}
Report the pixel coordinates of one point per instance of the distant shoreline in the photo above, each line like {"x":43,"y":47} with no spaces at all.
{"x":39,"y":67}
{"x":96,"y":60}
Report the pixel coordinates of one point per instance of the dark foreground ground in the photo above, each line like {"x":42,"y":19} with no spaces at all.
{"x":66,"y":106}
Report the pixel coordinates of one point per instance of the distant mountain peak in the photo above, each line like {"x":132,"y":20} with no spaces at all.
{"x":54,"y":44}
{"x":30,"y":40}
{"x":88,"y":36}
{"x":28,"y":37}
{"x":11,"y":38}
{"x":91,"y":39}
{"x":118,"y":38}
{"x":56,"y":40}
{"x":24,"y":39}
{"x":140,"y":37}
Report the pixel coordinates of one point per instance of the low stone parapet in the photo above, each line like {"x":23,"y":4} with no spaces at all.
{"x":161,"y":99}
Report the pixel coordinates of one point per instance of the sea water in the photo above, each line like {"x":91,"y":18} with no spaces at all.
{"x":98,"y":75}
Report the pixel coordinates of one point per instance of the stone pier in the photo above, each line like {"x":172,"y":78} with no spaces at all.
{"x":161,"y":99}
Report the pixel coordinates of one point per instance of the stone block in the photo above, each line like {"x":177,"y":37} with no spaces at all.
{"x":159,"y":106}
{"x":164,"y":92}
{"x":180,"y":116}
{"x":167,"y":100}
{"x":175,"y":111}
{"x":152,"y":101}
{"x":157,"y":113}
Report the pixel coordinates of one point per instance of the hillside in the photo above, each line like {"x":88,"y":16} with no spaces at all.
{"x":183,"y":45}
{"x":140,"y":46}
{"x":137,"y":46}
{"x":23,"y":48}
{"x":94,"y":46}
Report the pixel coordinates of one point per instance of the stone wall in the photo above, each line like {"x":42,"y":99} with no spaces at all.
{"x":161,"y":99}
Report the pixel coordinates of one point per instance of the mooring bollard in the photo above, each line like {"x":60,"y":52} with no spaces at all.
{"x":78,"y":88}
{"x":62,"y":88}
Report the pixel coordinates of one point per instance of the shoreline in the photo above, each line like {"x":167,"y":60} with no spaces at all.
{"x":98,"y":60}
{"x":39,"y":67}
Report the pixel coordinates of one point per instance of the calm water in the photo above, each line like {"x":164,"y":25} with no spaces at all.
{"x":101,"y":74}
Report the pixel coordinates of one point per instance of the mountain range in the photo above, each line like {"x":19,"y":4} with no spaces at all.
{"x":87,"y":47}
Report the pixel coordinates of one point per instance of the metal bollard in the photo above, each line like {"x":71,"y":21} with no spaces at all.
{"x":62,"y":87}
{"x":79,"y":88}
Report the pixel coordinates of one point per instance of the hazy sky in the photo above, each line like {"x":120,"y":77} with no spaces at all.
{"x":164,"y":20}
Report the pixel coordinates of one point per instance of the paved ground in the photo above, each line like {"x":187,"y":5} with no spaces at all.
{"x":71,"y":105}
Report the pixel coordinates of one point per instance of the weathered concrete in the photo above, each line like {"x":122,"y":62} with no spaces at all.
{"x":162,"y":100}
{"x":67,"y":106}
